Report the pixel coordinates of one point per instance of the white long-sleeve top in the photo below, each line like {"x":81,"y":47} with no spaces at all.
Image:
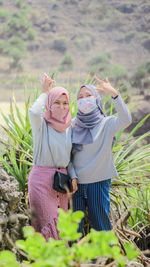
{"x":50,"y":148}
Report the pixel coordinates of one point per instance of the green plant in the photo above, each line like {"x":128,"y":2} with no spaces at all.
{"x":18,"y":21}
{"x":57,"y":252}
{"x":140,"y":202}
{"x":67,"y":62}
{"x":16,"y":48}
{"x":17,"y":158}
{"x":103,"y":58}
{"x":31,"y":34}
{"x":16,"y":30}
{"x":19,"y":3}
{"x":146,"y":82}
{"x":100,"y":63}
{"x":140,"y":73}
{"x":4,"y":14}
{"x":118,"y":72}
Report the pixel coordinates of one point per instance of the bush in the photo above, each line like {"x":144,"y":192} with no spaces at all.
{"x":141,"y":72}
{"x":19,"y":3}
{"x":100,"y":63}
{"x":18,"y":22}
{"x":118,"y":72}
{"x":146,"y":82}
{"x":67,"y":62}
{"x":15,"y":48}
{"x":31,"y":34}
{"x":103,"y":58}
{"x":57,"y":252}
{"x":17,"y":29}
{"x":4,"y":14}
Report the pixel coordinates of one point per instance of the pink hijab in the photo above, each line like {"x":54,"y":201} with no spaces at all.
{"x":58,"y":125}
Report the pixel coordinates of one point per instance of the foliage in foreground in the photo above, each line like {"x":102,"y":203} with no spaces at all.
{"x":57,"y":252}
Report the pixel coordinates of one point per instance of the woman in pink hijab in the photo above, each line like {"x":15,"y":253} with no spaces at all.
{"x":52,"y":146}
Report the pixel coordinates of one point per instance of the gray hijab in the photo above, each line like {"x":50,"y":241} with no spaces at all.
{"x":83,"y":123}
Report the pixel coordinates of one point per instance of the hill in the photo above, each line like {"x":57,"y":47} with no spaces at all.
{"x":72,"y":37}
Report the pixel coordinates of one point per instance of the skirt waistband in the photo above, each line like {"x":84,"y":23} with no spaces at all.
{"x":48,"y":168}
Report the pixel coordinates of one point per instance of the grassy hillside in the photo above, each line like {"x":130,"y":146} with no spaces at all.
{"x":72,"y":38}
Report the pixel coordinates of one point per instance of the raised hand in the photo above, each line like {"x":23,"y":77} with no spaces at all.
{"x":106,"y":87}
{"x":46,"y":83}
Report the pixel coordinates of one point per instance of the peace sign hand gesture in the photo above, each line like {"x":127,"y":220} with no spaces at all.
{"x":106,"y":87}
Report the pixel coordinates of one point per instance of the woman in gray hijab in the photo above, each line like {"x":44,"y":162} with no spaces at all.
{"x":93,"y":136}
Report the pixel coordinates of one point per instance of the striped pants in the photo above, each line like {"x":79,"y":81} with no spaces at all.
{"x":95,"y":197}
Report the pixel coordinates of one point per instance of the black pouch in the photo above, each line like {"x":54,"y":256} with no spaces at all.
{"x":61,"y":182}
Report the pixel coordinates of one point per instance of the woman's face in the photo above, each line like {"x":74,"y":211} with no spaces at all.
{"x":85,"y":92}
{"x":61,"y":102}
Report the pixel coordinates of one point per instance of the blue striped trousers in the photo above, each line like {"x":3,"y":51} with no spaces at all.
{"x":95,"y":197}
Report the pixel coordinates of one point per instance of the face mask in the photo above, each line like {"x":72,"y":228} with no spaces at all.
{"x":86,"y":105}
{"x":58,"y":113}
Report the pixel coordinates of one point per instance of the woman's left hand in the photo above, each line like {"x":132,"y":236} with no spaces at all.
{"x":74,"y":185}
{"x":106,"y":87}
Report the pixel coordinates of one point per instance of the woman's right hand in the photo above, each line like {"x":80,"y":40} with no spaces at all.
{"x":46,"y":83}
{"x":74,"y":185}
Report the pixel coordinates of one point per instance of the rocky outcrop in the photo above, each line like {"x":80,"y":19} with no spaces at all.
{"x":141,"y":110}
{"x":12,"y":211}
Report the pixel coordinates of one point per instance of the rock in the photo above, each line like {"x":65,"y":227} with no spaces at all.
{"x":9,"y":191}
{"x":146,"y":9}
{"x":33,"y":47}
{"x":55,"y":7}
{"x":141,"y":110}
{"x":11,"y":217}
{"x":3,"y":207}
{"x":146,"y":45}
{"x":60,"y":46}
{"x":126,"y":8}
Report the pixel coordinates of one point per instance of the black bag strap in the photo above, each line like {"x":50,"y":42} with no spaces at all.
{"x":50,"y":146}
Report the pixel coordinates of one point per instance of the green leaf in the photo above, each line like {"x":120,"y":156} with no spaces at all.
{"x":8,"y":259}
{"x":130,"y":250}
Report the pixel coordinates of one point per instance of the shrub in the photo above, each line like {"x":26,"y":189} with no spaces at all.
{"x":17,"y":159}
{"x":103,"y":58}
{"x":100,"y":63}
{"x":4,"y":14}
{"x":18,"y":22}
{"x":15,"y":47}
{"x":146,"y":82}
{"x":31,"y":34}
{"x":125,"y":89}
{"x":17,"y":29}
{"x":118,"y":72}
{"x":67,"y":62}
{"x":19,"y":3}
{"x":57,"y":252}
{"x":140,"y":72}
